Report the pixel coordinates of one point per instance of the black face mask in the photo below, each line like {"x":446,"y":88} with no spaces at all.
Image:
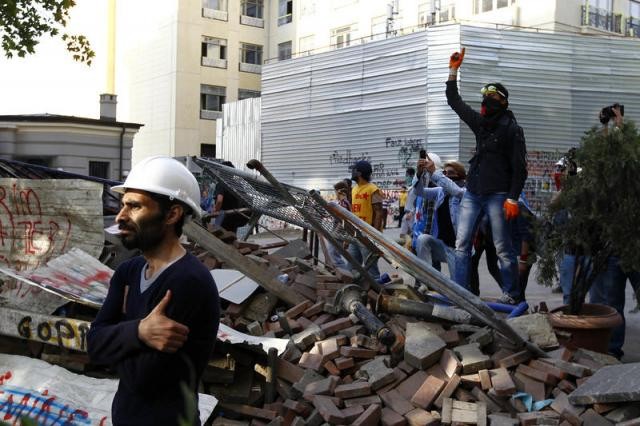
{"x":491,"y":107}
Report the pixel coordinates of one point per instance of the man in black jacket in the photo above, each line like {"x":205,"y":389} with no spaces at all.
{"x":496,"y":177}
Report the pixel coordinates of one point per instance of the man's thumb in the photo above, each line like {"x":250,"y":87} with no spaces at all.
{"x":160,"y":307}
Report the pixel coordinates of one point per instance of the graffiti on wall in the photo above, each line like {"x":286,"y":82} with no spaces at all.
{"x":41,"y":219}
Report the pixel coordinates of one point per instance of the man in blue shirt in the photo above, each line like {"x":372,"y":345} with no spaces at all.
{"x":160,"y":319}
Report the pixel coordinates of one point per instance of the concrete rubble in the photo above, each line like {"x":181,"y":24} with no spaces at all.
{"x":336,"y":371}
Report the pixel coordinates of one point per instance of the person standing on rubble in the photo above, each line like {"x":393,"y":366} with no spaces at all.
{"x":496,"y":177}
{"x":160,"y":318}
{"x":366,"y":203}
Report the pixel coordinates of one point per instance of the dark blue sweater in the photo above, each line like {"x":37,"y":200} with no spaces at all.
{"x":150,"y":392}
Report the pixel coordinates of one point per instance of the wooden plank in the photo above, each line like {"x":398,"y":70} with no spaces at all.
{"x":230,"y":256}
{"x":447,"y":408}
{"x":65,"y":333}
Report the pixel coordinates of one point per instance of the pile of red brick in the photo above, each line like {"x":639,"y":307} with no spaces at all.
{"x":334,"y":372}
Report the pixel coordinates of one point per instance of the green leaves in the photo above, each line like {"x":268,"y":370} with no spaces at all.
{"x":602,"y":203}
{"x":23,"y":23}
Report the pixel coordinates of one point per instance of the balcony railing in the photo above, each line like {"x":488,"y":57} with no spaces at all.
{"x":250,"y":20}
{"x":252,"y":68}
{"x":600,"y":18}
{"x":220,"y":15}
{"x":633,"y":27}
{"x":210,"y":115}
{"x":214,"y":62}
{"x":284,"y":19}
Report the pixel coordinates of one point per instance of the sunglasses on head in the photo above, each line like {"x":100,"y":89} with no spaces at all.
{"x":449,"y":173}
{"x":488,"y":90}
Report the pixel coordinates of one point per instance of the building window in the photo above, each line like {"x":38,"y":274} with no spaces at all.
{"x":634,"y":9}
{"x":598,"y":14}
{"x":251,"y":54}
{"x":207,"y":150}
{"x":246,"y":94}
{"x":220,"y":5}
{"x":214,"y":52}
{"x":341,"y":37}
{"x":251,"y":58}
{"x":215,"y":9}
{"x":253,"y":8}
{"x":99,"y":169}
{"x":502,"y":3}
{"x":425,"y":14}
{"x":284,"y":51}
{"x":306,"y":44}
{"x":285,"y":11}
{"x":211,"y":100}
{"x":603,"y":5}
{"x":481,"y":6}
{"x":447,"y":10}
{"x":379,"y":27}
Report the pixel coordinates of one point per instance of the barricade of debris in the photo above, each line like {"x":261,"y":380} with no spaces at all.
{"x":336,"y":369}
{"x":330,"y":346}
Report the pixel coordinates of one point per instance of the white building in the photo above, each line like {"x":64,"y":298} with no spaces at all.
{"x":178,"y":61}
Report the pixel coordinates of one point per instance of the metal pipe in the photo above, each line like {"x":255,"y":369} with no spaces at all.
{"x":349,"y":299}
{"x":425,"y":272}
{"x":425,"y":310}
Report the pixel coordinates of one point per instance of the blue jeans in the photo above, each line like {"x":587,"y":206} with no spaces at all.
{"x":609,"y":289}
{"x":336,"y":258}
{"x":433,"y":250}
{"x":360,"y":254}
{"x":471,"y":209}
{"x":567,"y":268}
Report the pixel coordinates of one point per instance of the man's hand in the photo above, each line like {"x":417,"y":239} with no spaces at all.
{"x":456,"y":59}
{"x":426,"y":164}
{"x":160,"y":332}
{"x":511,"y":209}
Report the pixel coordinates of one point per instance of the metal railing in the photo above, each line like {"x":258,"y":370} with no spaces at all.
{"x":600,"y":18}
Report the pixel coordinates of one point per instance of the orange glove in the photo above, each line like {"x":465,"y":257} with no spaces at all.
{"x":511,"y":209}
{"x":456,"y":59}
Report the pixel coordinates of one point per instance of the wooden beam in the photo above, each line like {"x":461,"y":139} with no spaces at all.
{"x":230,"y":256}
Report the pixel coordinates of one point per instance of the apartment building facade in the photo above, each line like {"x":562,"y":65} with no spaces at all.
{"x":205,"y":53}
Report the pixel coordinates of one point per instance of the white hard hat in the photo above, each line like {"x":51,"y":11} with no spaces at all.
{"x":436,"y":160}
{"x":164,"y":176}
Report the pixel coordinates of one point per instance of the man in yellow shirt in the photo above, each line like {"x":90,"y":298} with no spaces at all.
{"x":366,"y":203}
{"x":402,"y":201}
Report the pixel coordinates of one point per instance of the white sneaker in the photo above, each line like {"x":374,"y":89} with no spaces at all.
{"x":506,"y":299}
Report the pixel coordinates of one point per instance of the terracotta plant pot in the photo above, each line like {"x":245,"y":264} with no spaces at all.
{"x":591,"y":329}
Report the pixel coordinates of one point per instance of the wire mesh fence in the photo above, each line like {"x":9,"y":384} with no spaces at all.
{"x":262,"y":197}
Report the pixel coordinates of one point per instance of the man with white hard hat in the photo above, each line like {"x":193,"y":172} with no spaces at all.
{"x":160,"y":319}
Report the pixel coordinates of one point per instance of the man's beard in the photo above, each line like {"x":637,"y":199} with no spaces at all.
{"x":145,"y":235}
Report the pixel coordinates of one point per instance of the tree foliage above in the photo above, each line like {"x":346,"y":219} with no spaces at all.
{"x":601,"y":206}
{"x":24,"y":22}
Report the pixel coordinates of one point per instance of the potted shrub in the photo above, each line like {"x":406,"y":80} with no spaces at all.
{"x":602,"y":205}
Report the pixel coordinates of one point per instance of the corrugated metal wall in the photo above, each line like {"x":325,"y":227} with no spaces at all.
{"x":384,"y":99}
{"x":241,"y":138}
{"x":323,"y":112}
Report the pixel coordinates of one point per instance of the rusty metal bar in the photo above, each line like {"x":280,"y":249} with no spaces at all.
{"x":349,"y":299}
{"x":424,"y":310}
